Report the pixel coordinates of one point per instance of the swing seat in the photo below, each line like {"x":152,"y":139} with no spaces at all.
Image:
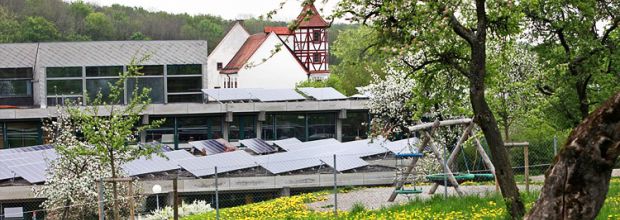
{"x":409,"y":155}
{"x":440,"y":178}
{"x":408,"y":191}
{"x":479,"y":177}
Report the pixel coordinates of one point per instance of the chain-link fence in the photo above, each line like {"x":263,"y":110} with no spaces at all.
{"x":328,"y":183}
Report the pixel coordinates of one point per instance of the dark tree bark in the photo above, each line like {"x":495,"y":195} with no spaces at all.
{"x":577,"y":183}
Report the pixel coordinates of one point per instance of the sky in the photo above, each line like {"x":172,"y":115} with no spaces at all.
{"x":227,"y":9}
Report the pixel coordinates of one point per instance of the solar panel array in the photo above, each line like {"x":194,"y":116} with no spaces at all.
{"x":258,"y":146}
{"x":31,"y":163}
{"x":262,"y":95}
{"x":322,"y":94}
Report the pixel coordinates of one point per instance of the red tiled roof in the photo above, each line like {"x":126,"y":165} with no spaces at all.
{"x":310,"y":17}
{"x":245,"y":52}
{"x":278,"y":30}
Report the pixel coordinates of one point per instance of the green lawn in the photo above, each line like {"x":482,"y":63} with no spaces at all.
{"x":468,"y":207}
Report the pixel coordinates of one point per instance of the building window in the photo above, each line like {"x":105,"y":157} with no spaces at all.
{"x":290,"y":126}
{"x":242,"y":127}
{"x":16,"y":86}
{"x":355,"y":126}
{"x":316,"y":36}
{"x":179,"y":131}
{"x":184,"y":83}
{"x":219,"y":65}
{"x":22,"y":134}
{"x":100,"y":71}
{"x":321,"y":126}
{"x":316,"y":58}
{"x":152,"y":78}
{"x":64,"y":84}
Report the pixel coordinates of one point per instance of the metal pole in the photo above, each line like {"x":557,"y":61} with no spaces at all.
{"x":175,"y":194}
{"x":157,"y":199}
{"x":101,"y":209}
{"x":527,"y":167}
{"x":445,"y":171}
{"x":217,"y":198}
{"x":555,"y":145}
{"x":335,"y":189}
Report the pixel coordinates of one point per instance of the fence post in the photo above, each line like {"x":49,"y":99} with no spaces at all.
{"x":527,"y":167}
{"x":131,"y":201}
{"x":335,"y":189}
{"x":175,"y":200}
{"x":555,"y":145}
{"x":217,"y":198}
{"x":101,"y":209}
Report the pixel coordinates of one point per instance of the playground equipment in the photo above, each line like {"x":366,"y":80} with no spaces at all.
{"x":400,"y":166}
{"x":452,"y":180}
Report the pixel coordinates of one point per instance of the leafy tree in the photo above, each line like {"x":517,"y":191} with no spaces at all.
{"x":9,"y":27}
{"x":579,"y":42}
{"x":448,"y":40}
{"x":80,"y":10}
{"x":98,"y":26}
{"x":108,"y":129}
{"x":139,"y":36}
{"x":38,"y":29}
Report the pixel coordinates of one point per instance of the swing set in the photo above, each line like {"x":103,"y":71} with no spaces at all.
{"x":448,"y":178}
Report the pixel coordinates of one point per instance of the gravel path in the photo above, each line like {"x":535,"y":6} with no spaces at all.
{"x":374,"y":198}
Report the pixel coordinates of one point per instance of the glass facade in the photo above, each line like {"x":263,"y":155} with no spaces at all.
{"x":20,"y":134}
{"x":242,"y":127}
{"x":321,"y":126}
{"x":355,"y":126}
{"x":181,"y":83}
{"x":178,"y":131}
{"x":16,"y":86}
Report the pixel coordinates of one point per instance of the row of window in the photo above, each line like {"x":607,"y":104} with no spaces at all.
{"x":168,"y":84}
{"x":179,"y":131}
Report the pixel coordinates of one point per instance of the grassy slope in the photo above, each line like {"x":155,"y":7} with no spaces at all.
{"x":468,"y":207}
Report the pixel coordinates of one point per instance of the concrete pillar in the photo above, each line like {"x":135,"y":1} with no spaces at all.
{"x":225,"y":131}
{"x":339,"y":129}
{"x":259,"y":129}
{"x":285,"y":191}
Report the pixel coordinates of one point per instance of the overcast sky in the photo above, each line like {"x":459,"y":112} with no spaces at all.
{"x":228,"y":9}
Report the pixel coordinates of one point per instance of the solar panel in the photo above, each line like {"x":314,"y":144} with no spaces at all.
{"x":258,"y":146}
{"x":320,"y":94}
{"x":225,"y":162}
{"x":155,"y":164}
{"x":231,"y":94}
{"x":310,"y":144}
{"x":344,"y":162}
{"x":210,"y":147}
{"x":31,"y":172}
{"x":178,"y":155}
{"x":271,"y":95}
{"x":284,"y":143}
{"x":286,"y":162}
{"x":26,"y":149}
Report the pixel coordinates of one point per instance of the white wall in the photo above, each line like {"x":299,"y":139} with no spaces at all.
{"x":280,"y":71}
{"x":225,"y":50}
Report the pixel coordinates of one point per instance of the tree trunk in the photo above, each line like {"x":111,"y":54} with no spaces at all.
{"x":485,"y":119}
{"x":115,"y":208}
{"x":577,"y":183}
{"x":582,"y":95}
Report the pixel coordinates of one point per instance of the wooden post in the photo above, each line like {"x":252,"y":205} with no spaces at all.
{"x":527,"y":167}
{"x":455,"y":152}
{"x":487,"y":161}
{"x":131,"y":202}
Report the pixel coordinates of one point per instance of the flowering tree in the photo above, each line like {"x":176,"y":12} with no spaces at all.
{"x":106,"y":130}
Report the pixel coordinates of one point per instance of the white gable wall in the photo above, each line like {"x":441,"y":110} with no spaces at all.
{"x":224,"y":52}
{"x":280,"y":71}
